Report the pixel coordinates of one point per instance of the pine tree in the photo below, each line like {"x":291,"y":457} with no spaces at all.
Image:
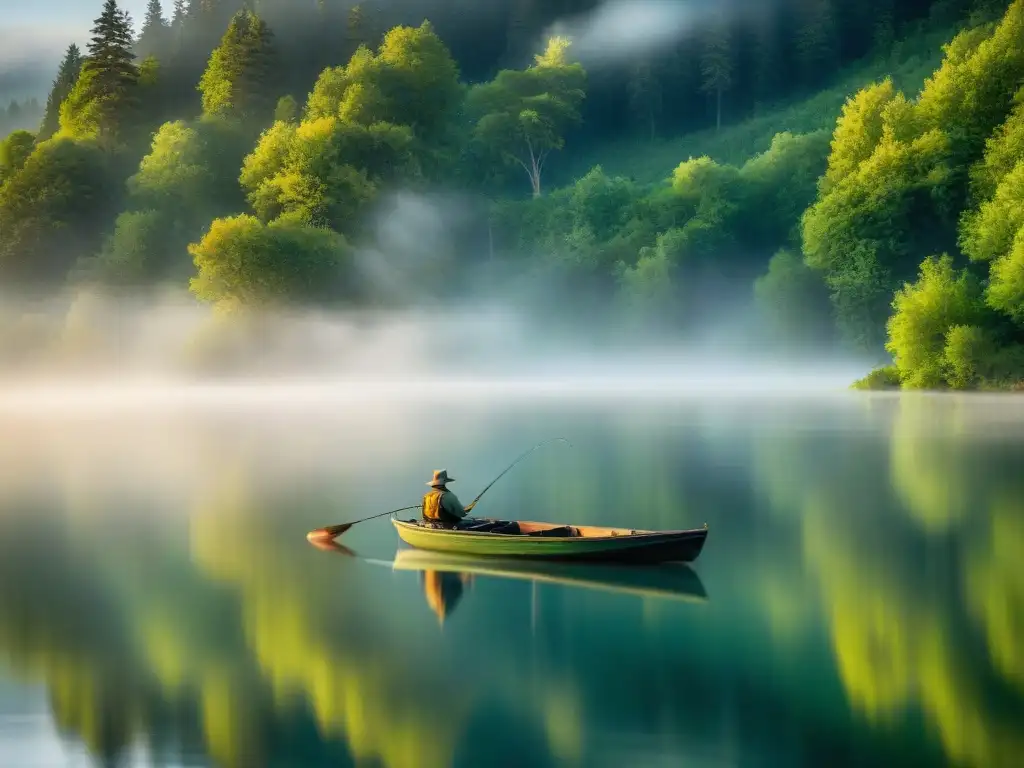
{"x":177,"y":31}
{"x":716,"y":66}
{"x":206,"y":20}
{"x":155,"y":36}
{"x":109,"y":77}
{"x":67,"y":74}
{"x":238,"y":82}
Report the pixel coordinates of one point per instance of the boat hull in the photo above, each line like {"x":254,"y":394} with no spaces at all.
{"x":638,"y":547}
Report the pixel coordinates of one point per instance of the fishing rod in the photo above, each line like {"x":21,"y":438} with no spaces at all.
{"x":331,"y":532}
{"x":538,"y":445}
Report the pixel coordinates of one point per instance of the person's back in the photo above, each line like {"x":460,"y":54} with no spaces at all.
{"x":440,"y":505}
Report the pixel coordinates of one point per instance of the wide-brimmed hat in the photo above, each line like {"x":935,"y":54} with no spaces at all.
{"x":440,"y":478}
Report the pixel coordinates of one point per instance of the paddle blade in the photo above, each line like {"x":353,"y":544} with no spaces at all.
{"x":328,"y":533}
{"x":329,"y":545}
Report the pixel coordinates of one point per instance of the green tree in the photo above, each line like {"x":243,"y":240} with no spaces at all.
{"x":988,"y":233}
{"x":176,"y":33}
{"x":238,"y":83}
{"x":136,"y":253}
{"x":14,"y":151}
{"x":104,"y":100}
{"x":716,"y":66}
{"x":287,"y":110}
{"x":183,"y":182}
{"x":1005,"y":290}
{"x":648,"y":293}
{"x":68,"y":73}
{"x":522,"y":115}
{"x":972,"y":93}
{"x":324,"y":171}
{"x":1003,"y":150}
{"x":414,"y":81}
{"x":242,"y":261}
{"x":925,"y":311}
{"x":53,"y":210}
{"x":155,"y":37}
{"x":868,"y":232}
{"x":783,"y":180}
{"x":858,"y":131}
{"x":792,"y":302}
{"x":645,"y":95}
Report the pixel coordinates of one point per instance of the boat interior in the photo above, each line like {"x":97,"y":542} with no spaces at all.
{"x":539,"y":530}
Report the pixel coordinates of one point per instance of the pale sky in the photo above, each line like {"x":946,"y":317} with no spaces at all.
{"x":34,"y":34}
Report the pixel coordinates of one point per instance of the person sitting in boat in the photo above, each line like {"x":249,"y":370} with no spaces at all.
{"x":440,"y":505}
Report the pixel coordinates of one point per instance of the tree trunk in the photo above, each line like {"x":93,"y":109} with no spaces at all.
{"x":535,"y":176}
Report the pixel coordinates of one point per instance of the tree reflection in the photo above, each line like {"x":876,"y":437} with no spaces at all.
{"x":877,"y":574}
{"x":888,"y":586}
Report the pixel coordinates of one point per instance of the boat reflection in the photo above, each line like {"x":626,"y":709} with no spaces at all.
{"x":445,"y":576}
{"x":444,"y":590}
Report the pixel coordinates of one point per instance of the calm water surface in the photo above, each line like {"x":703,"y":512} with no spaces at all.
{"x":860,"y":600}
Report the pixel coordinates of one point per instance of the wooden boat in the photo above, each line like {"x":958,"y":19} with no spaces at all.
{"x":672,"y":580}
{"x":550,"y":541}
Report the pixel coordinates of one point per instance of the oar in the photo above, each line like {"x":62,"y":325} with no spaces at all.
{"x":538,"y":445}
{"x":334,"y":531}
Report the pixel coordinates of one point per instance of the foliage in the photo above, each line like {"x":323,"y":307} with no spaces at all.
{"x":238,"y":82}
{"x":287,"y":110}
{"x":132,"y":255}
{"x":103,"y":103}
{"x":522,"y":115}
{"x":858,"y":132}
{"x":716,"y":66}
{"x":241,"y":260}
{"x":155,"y":37}
{"x":49,"y":210}
{"x":925,"y":312}
{"x":14,"y":151}
{"x":1003,"y":150}
{"x":753,"y":233}
{"x":327,"y":168}
{"x":886,"y":377}
{"x":867,"y":233}
{"x":181,"y":182}
{"x":793,"y":302}
{"x":67,"y":75}
{"x":987,"y":234}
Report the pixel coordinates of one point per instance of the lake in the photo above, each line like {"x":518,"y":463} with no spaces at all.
{"x":860,"y":599}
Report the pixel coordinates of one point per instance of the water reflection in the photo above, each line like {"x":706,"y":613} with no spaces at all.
{"x":864,"y":563}
{"x":443,"y":590}
{"x":446,"y":575}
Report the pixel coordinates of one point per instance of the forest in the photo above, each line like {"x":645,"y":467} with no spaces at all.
{"x":248,"y":153}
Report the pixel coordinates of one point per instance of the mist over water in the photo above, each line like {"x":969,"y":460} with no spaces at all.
{"x":89,"y":348}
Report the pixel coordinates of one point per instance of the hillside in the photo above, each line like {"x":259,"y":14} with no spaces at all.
{"x":419,"y":170}
{"x":647,"y":160}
